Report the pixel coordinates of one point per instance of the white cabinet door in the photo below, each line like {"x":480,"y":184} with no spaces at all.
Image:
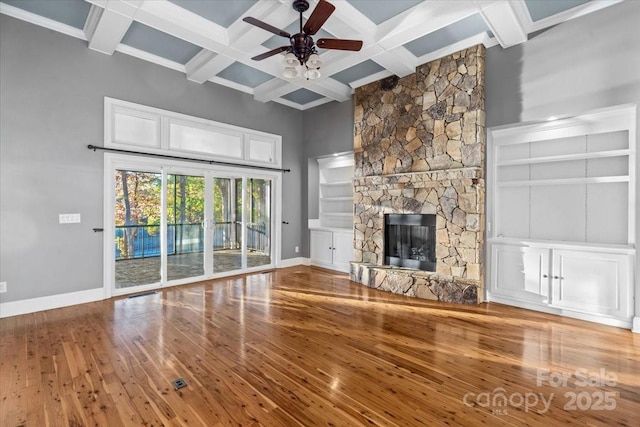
{"x":520,"y":272}
{"x":592,"y":282}
{"x":342,"y":250}
{"x":321,"y":244}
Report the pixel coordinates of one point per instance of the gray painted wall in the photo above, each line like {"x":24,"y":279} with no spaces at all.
{"x":588,"y":63}
{"x":584,"y":64}
{"x":51,"y":107}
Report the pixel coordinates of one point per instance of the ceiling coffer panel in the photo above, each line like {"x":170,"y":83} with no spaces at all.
{"x":274,"y":48}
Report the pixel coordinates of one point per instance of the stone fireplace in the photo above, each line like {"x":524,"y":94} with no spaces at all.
{"x":419,"y":149}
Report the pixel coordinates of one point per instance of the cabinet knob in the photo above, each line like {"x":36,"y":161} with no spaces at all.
{"x":558,"y":277}
{"x":546,"y":276}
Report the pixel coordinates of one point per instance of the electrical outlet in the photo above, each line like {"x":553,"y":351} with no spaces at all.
{"x":297,"y":249}
{"x":69,"y":218}
{"x":3,"y":287}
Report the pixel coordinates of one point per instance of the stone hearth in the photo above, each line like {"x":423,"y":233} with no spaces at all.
{"x":419,"y":148}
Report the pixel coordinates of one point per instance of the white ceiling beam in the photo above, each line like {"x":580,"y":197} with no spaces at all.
{"x":348,"y":22}
{"x":330,"y":88}
{"x":399,"y":61}
{"x":276,"y":88}
{"x":384,"y":43}
{"x":334,"y":61}
{"x":273,"y":89}
{"x":506,"y":23}
{"x":107,"y":24}
{"x":467,"y":43}
{"x":247,"y":36}
{"x":205,"y":65}
{"x":422,"y":19}
{"x":150,"y":57}
{"x":172,"y":19}
{"x":178,"y":22}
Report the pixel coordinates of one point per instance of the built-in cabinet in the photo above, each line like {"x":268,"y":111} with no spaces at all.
{"x":331,"y":235}
{"x":331,"y":249}
{"x":561,"y":209}
{"x":520,"y":272}
{"x":590,"y":281}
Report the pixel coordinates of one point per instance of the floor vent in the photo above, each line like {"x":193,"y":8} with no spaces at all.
{"x":179,"y":383}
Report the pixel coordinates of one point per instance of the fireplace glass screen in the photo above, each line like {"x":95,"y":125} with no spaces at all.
{"x":410,"y":241}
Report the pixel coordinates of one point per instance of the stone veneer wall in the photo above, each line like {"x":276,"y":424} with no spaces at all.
{"x":419,"y":148}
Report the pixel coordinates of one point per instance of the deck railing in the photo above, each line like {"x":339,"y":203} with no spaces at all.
{"x":143,"y":241}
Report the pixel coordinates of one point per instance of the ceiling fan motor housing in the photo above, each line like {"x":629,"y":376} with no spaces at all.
{"x":302,"y":46}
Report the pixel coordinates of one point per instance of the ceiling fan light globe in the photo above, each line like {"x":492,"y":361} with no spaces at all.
{"x":290,"y":60}
{"x":314,"y":61}
{"x":290,"y":72}
{"x":312,"y":74}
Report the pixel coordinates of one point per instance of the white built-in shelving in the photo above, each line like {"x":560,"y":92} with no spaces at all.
{"x":561,"y":209}
{"x":336,"y":191}
{"x":331,"y":238}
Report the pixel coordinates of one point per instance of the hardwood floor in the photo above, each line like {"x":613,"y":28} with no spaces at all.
{"x":303,"y":346}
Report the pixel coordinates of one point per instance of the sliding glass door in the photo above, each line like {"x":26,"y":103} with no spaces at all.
{"x":227,"y":220}
{"x":137,"y":212}
{"x":185,"y":226}
{"x":242,"y":223}
{"x":257,"y":201}
{"x":175,"y":224}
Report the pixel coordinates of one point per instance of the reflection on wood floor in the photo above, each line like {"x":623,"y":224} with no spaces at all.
{"x":144,"y":271}
{"x":303,"y":346}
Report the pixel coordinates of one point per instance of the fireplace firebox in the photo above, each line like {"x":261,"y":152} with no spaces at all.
{"x":410,"y":241}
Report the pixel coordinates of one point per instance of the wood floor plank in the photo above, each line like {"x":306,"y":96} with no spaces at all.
{"x":303,"y":347}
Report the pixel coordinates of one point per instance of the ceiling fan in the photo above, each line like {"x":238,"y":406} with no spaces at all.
{"x":301,"y":47}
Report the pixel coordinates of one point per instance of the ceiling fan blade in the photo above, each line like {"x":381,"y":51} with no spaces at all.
{"x":258,"y":23}
{"x":270,"y":53}
{"x":318,"y":17}
{"x":339,"y":44}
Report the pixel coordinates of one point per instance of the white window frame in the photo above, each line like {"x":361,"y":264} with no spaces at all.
{"x":162,"y":146}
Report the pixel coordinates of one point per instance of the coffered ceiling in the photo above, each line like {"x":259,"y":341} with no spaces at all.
{"x":207,"y":40}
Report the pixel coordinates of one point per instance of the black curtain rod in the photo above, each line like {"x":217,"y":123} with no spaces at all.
{"x":190,"y":159}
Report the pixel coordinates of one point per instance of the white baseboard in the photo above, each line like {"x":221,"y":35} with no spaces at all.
{"x":15,"y":308}
{"x":292,"y":262}
{"x":334,"y":267}
{"x":609,"y":321}
{"x":636,"y":325}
